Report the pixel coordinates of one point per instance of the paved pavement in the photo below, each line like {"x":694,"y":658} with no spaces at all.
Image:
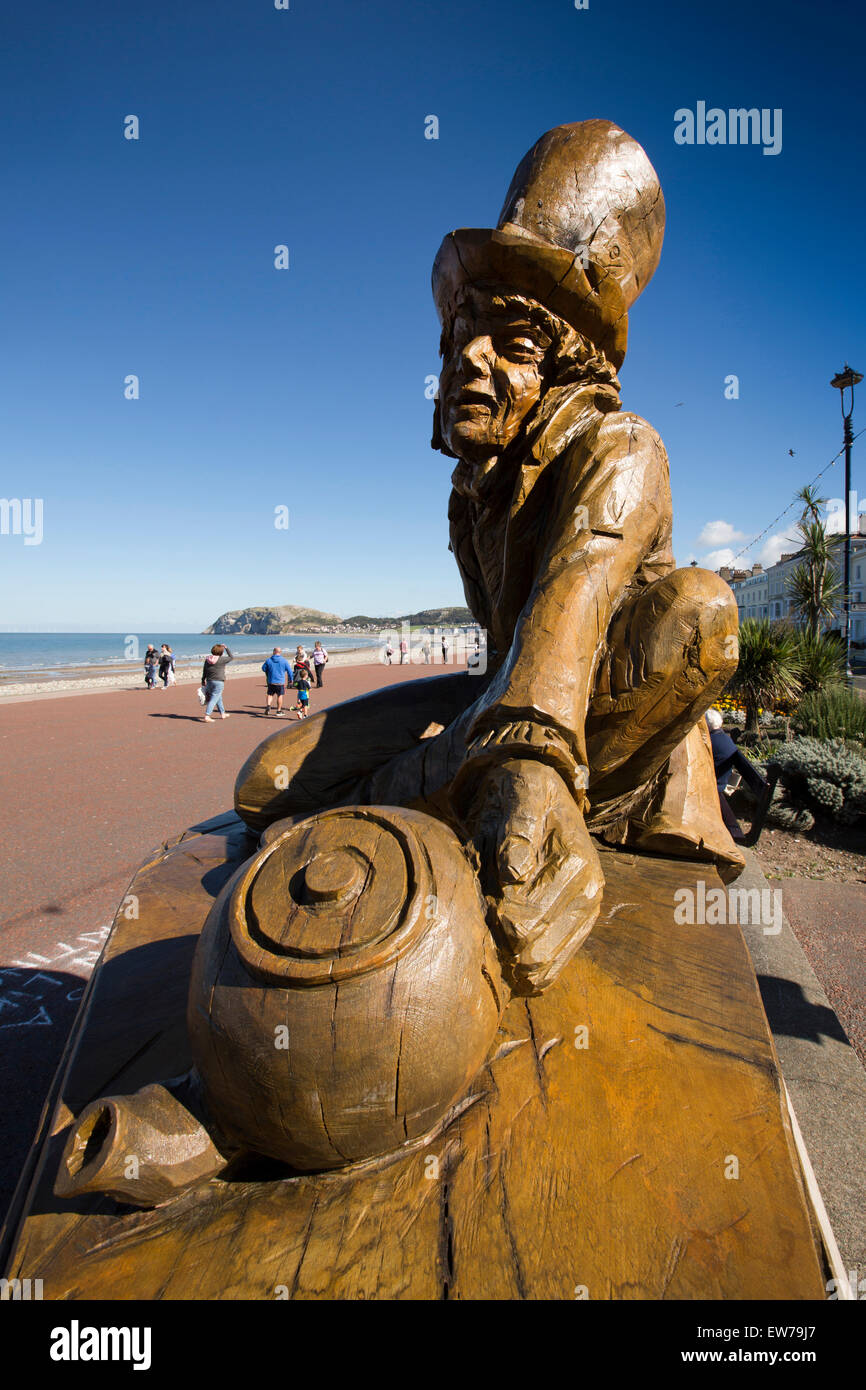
{"x":829,"y":921}
{"x":90,"y":784}
{"x":822,"y":1072}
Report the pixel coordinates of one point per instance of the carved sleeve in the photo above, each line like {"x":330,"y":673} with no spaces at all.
{"x":610,"y":510}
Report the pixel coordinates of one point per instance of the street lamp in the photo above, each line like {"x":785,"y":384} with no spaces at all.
{"x":843,"y":381}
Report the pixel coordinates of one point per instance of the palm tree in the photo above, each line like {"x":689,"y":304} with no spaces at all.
{"x":768,"y":671}
{"x":812,"y":503}
{"x":813,"y":586}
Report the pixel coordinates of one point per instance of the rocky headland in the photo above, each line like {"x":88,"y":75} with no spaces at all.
{"x":287,"y":617}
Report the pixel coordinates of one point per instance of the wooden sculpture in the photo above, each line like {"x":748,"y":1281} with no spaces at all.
{"x":590,"y":1157}
{"x":343,"y":958}
{"x":333,"y":966}
{"x":366,"y":984}
{"x":602,"y":657}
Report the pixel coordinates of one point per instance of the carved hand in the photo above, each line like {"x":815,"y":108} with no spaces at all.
{"x":538,"y":867}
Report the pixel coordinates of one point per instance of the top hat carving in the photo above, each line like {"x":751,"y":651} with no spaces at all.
{"x":580,"y":231}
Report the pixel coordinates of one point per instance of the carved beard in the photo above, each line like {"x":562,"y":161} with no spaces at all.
{"x":555,"y":416}
{"x":469,"y":478}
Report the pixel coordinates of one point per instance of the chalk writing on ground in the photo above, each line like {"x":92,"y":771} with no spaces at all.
{"x":26,"y":1001}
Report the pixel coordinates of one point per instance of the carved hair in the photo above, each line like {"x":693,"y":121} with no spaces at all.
{"x":571,"y":357}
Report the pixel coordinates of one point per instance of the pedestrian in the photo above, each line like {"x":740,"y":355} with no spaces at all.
{"x":389,"y":652}
{"x":213,"y":679}
{"x":404,"y":647}
{"x":166,"y":666}
{"x":320,"y":661}
{"x":302,"y":680}
{"x":277,"y":671}
{"x":444,"y":649}
{"x":151,"y":660}
{"x":302,"y":659}
{"x":425,"y":650}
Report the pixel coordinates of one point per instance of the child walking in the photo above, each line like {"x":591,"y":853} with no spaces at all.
{"x":302,"y":681}
{"x":150,"y":664}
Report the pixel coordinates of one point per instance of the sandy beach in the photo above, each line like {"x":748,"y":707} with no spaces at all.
{"x":130,"y":676}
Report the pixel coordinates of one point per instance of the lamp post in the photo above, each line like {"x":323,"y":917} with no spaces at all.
{"x":843,"y":381}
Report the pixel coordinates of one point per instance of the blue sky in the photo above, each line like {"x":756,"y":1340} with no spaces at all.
{"x":305,"y":388}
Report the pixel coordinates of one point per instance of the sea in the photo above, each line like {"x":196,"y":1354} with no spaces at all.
{"x":55,"y":655}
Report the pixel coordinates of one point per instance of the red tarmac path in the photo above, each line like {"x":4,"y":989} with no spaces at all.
{"x":91,"y":783}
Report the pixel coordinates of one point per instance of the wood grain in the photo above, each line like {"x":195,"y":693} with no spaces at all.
{"x":328,"y":1030}
{"x":599,"y":1168}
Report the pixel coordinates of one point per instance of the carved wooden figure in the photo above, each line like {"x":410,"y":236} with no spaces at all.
{"x":432,"y":856}
{"x":602,"y":657}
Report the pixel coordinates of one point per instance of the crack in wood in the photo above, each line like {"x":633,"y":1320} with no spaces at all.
{"x":761,"y":1064}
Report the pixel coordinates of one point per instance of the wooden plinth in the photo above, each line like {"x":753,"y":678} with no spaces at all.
{"x":601,"y":1171}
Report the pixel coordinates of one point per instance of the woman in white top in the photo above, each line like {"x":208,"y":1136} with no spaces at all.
{"x":320,"y":657}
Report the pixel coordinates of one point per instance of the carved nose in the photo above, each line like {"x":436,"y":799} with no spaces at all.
{"x":476,"y":357}
{"x":332,"y":877}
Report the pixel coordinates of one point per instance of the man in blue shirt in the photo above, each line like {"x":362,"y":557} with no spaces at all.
{"x":277,"y":670}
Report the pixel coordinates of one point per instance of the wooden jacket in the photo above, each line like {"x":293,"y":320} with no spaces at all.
{"x":550,"y":542}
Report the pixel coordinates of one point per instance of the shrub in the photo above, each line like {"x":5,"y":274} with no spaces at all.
{"x":826,"y":778}
{"x":820,"y":660}
{"x":787,"y":814}
{"x":837,"y":712}
{"x":767,"y":672}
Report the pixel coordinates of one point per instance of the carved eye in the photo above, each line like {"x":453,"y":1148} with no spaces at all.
{"x":614,"y":253}
{"x":518,"y":346}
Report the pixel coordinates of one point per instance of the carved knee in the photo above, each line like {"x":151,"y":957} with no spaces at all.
{"x":683,"y":624}
{"x":706,"y":603}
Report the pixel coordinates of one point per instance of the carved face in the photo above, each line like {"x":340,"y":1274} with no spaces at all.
{"x":491,"y":374}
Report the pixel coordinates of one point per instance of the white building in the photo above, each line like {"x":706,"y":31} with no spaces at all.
{"x":764,"y":593}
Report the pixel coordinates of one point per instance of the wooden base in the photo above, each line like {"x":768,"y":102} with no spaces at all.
{"x":627,"y":1138}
